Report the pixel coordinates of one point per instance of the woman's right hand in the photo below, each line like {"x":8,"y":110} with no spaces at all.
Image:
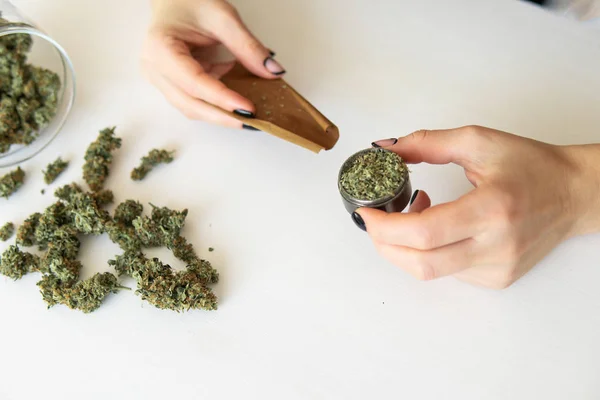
{"x":179,"y":29}
{"x":528,"y":197}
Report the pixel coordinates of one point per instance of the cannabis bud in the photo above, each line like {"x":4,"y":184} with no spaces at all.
{"x":11,"y":182}
{"x":57,"y":232}
{"x":7,"y":231}
{"x":149,"y":161}
{"x":15,"y":263}
{"x":98,"y":158}
{"x":54,"y":169}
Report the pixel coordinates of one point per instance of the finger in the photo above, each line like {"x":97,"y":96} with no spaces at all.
{"x":433,"y":227}
{"x":190,"y":107}
{"x":248,"y":49}
{"x":419,"y":201}
{"x":431,"y":264}
{"x":217,"y":70}
{"x":172,"y":58}
{"x":462,"y":146}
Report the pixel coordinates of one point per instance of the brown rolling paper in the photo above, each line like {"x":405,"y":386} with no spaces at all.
{"x":281,"y":111}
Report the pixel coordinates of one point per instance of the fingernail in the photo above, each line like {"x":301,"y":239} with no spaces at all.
{"x":273,"y":66}
{"x":359,"y":221}
{"x":250,"y":128}
{"x":414,"y":196}
{"x":384,"y":142}
{"x":244,"y":113}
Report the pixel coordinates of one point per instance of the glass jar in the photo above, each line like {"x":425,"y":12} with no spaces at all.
{"x":45,"y":53}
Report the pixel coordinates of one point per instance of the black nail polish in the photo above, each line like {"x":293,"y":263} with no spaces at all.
{"x":393,"y":142}
{"x":244,"y":113}
{"x":274,"y":73}
{"x":250,"y":128}
{"x":359,"y":221}
{"x":414,"y":196}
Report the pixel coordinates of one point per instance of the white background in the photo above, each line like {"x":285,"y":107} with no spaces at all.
{"x":308,"y":310}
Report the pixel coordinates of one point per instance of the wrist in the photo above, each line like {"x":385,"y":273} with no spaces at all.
{"x":584,"y":187}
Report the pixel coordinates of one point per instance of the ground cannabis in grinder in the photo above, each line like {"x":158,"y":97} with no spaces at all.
{"x":373,"y":175}
{"x":54,"y":169}
{"x":7,"y":231}
{"x":11,"y":182}
{"x":149,"y":161}
{"x":28,"y":94}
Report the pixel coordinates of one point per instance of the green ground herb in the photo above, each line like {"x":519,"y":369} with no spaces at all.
{"x":374,"y":175}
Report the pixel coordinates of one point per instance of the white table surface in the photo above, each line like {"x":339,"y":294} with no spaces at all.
{"x":308,"y":310}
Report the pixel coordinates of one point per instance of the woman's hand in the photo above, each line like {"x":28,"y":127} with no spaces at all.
{"x":179,"y":32}
{"x":529,"y":196}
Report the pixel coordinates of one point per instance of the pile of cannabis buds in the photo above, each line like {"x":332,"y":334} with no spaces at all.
{"x":78,"y":212}
{"x":28,"y":94}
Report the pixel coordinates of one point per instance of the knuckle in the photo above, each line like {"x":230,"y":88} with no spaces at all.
{"x":513,"y":251}
{"x":424,"y":271}
{"x":506,"y":279}
{"x":254,"y":46}
{"x":420,"y":135}
{"x":224,"y":13}
{"x":189,"y":113}
{"x":471,"y":133}
{"x":424,"y":238}
{"x":504,"y":206}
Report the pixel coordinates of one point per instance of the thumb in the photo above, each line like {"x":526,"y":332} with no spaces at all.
{"x":462,"y":146}
{"x":249,"y":51}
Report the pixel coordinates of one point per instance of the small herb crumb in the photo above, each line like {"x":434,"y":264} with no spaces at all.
{"x":211,"y":249}
{"x":43,"y":191}
{"x":7,"y":231}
